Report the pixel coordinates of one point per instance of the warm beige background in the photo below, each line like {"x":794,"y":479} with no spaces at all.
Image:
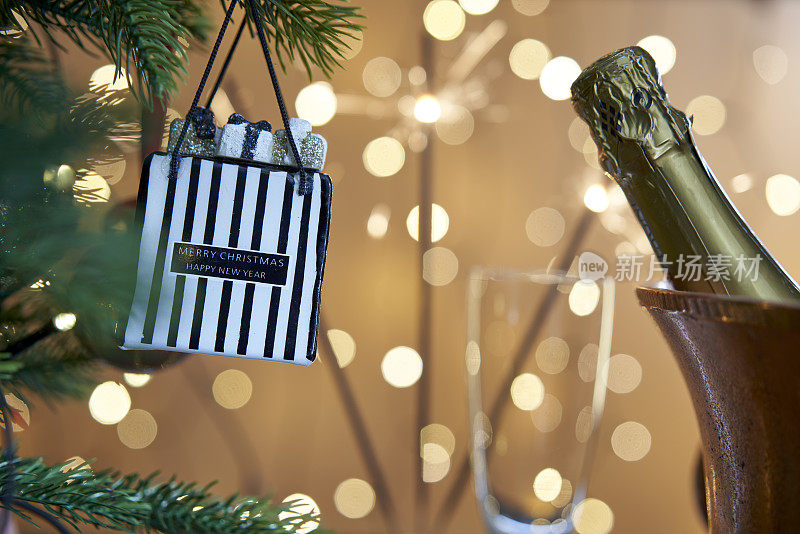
{"x":293,"y":435}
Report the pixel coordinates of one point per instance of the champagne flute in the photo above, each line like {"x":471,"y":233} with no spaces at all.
{"x":538,"y":347}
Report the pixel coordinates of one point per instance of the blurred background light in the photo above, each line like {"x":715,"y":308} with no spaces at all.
{"x":527,"y":391}
{"x":137,"y":430}
{"x":427,"y":109}
{"x":316,"y":103}
{"x":530,"y":8}
{"x":440,"y":223}
{"x":595,"y":198}
{"x":384,"y":157}
{"x":300,"y":505}
{"x":771,"y":63}
{"x":381,"y":76}
{"x":232,"y":389}
{"x":557,"y":77}
{"x":344,"y":346}
{"x":401,"y":367}
{"x":708,"y":114}
{"x":592,"y":516}
{"x":478,"y":7}
{"x":354,"y":498}
{"x":528,"y":58}
{"x":378,"y":221}
{"x":631,"y":441}
{"x":64,"y":321}
{"x":624,"y":373}
{"x":547,"y":484}
{"x":545,"y":226}
{"x":456,"y":125}
{"x":583,"y":297}
{"x":552,"y":355}
{"x":662,"y":50}
{"x":783,"y":194}
{"x":547,"y":416}
{"x":109,"y":403}
{"x":444,"y":19}
{"x":439,"y":266}
{"x":136,"y":380}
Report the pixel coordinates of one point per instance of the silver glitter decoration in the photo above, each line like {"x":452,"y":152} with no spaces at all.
{"x":280,"y":148}
{"x":312,"y":152}
{"x":192,"y":145}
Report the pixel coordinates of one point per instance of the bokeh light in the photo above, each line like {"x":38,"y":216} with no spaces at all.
{"x":547,"y":484}
{"x":316,"y":103}
{"x":232,"y":389}
{"x":741,"y":183}
{"x":557,"y":77}
{"x":354,"y":498}
{"x":381,"y":76}
{"x":378,"y":221}
{"x":530,"y":8}
{"x":427,"y":109}
{"x":109,"y":403}
{"x":439,"y":266}
{"x":136,"y":380}
{"x":708,"y":114}
{"x":545,"y":226}
{"x":435,"y":462}
{"x":527,"y":391}
{"x":103,"y":79}
{"x":771,"y":63}
{"x":564,"y":495}
{"x":478,"y":7}
{"x":64,"y":321}
{"x":595,"y":198}
{"x":624,"y":373}
{"x":578,"y":134}
{"x":592,"y":516}
{"x":352,"y":44}
{"x":90,"y":188}
{"x":631,"y":441}
{"x":583,"y":297}
{"x":137,"y":430}
{"x":384,"y":157}
{"x":401,"y":367}
{"x":552,"y":355}
{"x":301,"y":505}
{"x":783,"y":194}
{"x":547,"y":416}
{"x":528,"y":57}
{"x":438,"y":434}
{"x":662,"y":50}
{"x":344,"y":346}
{"x":440,"y":223}
{"x":444,"y":19}
{"x":456,"y":125}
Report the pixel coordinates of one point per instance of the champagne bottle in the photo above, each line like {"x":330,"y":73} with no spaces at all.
{"x":646,"y":145}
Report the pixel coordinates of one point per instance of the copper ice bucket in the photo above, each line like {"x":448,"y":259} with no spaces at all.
{"x":741,"y":362}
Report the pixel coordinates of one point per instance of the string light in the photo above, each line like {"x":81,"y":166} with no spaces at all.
{"x":440,"y":223}
{"x":439,"y":266}
{"x":354,"y":498}
{"x":631,"y":441}
{"x":300,"y":505}
{"x":708,"y":114}
{"x":783,"y":194}
{"x":344,"y":347}
{"x":557,"y":77}
{"x":64,"y":321}
{"x":527,"y":391}
{"x":444,"y":19}
{"x":547,"y":484}
{"x":109,"y":403}
{"x":384,"y":157}
{"x":662,"y":50}
{"x":528,"y":58}
{"x":427,"y":109}
{"x":478,"y":7}
{"x":401,"y":367}
{"x":232,"y":389}
{"x":138,"y":429}
{"x":316,"y":103}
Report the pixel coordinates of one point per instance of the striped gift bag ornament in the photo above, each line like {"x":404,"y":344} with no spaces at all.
{"x":232,"y":250}
{"x":231,"y":260}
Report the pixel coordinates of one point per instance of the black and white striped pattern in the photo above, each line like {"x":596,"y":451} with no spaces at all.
{"x":235,"y":206}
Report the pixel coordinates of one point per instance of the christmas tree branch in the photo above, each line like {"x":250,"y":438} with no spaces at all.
{"x":78,"y":496}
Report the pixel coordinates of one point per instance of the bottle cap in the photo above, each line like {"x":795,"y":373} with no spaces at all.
{"x":621,"y":98}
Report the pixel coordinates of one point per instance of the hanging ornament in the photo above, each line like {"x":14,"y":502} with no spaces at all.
{"x":234,"y":224}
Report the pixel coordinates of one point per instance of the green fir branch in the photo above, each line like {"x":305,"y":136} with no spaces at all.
{"x":27,"y":83}
{"x":78,"y":496}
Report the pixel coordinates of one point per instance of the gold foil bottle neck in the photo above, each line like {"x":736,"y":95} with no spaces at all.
{"x":621,"y":98}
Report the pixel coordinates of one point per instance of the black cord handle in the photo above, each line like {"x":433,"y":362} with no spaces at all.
{"x":305,"y":182}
